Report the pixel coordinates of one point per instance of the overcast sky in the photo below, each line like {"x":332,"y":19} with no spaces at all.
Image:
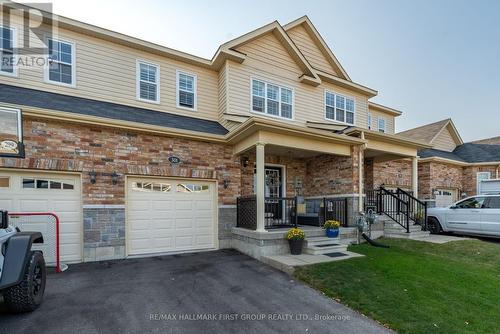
{"x":431,"y":59}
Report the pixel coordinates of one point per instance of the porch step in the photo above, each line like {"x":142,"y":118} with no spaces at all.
{"x":323,"y":245}
{"x":318,"y":241}
{"x":404,"y":235}
{"x":396,"y":227}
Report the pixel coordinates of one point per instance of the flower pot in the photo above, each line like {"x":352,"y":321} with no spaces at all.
{"x":296,"y":246}
{"x":332,"y":232}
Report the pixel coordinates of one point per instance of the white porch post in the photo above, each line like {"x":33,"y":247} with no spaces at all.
{"x":259,"y":189}
{"x":414,"y":176}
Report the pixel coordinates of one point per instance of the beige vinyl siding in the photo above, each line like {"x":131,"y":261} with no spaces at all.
{"x":107,"y":71}
{"x":389,"y":121}
{"x":276,"y":66}
{"x":444,"y":141}
{"x":310,"y":50}
{"x":222,"y":91}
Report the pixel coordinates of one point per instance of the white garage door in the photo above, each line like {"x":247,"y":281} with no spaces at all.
{"x":167,"y":215}
{"x":445,"y":197}
{"x":47,"y":192}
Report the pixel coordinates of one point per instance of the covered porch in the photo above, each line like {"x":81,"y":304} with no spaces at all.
{"x":296,"y":176}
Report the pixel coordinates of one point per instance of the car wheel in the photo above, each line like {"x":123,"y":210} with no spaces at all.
{"x":28,"y":295}
{"x":434,"y":226}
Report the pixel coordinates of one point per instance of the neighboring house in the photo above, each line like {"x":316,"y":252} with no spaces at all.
{"x":452,"y":169}
{"x":142,"y":149}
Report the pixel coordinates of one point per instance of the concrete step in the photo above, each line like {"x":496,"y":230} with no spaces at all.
{"x":401,"y":229}
{"x":313,"y":233}
{"x":403,"y":235}
{"x":318,"y":241}
{"x":325,"y":249}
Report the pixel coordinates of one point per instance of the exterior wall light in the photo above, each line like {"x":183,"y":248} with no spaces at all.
{"x":245,"y":162}
{"x":114,"y":178}
{"x":93,"y":177}
{"x":226,"y":183}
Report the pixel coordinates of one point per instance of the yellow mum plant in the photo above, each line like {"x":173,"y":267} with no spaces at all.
{"x":333,"y":224}
{"x":295,"y":234}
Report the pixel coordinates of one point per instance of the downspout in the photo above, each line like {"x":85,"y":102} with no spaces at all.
{"x":360,"y":174}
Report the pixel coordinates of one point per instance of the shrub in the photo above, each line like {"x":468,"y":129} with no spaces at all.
{"x":295,"y":234}
{"x":333,"y":224}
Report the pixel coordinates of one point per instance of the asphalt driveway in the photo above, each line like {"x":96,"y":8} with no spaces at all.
{"x":213,"y":292}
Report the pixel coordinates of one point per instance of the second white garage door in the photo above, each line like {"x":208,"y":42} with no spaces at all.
{"x":167,"y":215}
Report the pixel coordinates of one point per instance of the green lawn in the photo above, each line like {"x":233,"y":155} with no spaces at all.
{"x":418,"y":287}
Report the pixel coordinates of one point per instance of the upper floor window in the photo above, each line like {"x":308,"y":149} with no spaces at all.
{"x":186,"y":90}
{"x":381,"y":125}
{"x":339,"y":108}
{"x":61,"y":68}
{"x":148,"y":82}
{"x":7,"y":38}
{"x":272,"y":99}
{"x":369,"y":121}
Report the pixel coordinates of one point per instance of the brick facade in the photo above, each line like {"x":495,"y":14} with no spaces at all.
{"x":62,"y":146}
{"x":396,"y":173}
{"x":320,"y":175}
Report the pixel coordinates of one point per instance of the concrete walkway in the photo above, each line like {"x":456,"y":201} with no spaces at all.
{"x":439,"y":238}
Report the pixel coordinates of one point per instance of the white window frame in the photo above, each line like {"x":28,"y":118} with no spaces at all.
{"x":46,"y":74}
{"x":195,"y":89}
{"x":369,"y":121}
{"x":378,"y":125}
{"x":335,"y":94}
{"x":14,"y":45}
{"x":280,"y":87}
{"x":477,"y":180}
{"x":138,"y":80}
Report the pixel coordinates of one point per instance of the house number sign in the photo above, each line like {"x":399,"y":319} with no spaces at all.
{"x":174,"y":160}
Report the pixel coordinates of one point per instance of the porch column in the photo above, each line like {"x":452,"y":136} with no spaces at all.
{"x":259,"y":190}
{"x":414,"y":176}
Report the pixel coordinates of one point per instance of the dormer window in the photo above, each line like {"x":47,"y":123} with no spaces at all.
{"x":339,"y":108}
{"x":381,"y":125}
{"x":272,"y":99}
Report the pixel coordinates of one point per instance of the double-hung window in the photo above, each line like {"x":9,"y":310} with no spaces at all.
{"x":272,"y":99}
{"x":148,"y":82}
{"x":7,"y":37}
{"x":61,"y":67}
{"x":186,"y":90}
{"x":381,"y":125}
{"x":339,"y":108}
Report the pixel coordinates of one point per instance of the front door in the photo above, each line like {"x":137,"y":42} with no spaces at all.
{"x":273,"y":192}
{"x":273,"y":182}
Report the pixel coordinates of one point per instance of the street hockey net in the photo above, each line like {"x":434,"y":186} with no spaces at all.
{"x":46,"y":223}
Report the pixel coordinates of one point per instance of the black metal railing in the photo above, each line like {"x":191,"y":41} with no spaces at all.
{"x":335,"y":209}
{"x":280,"y":212}
{"x":246,"y":212}
{"x":417,"y":208}
{"x":283,"y":211}
{"x":393,"y":207}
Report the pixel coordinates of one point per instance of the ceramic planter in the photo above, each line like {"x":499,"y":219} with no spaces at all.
{"x":296,"y":246}
{"x":332,"y":232}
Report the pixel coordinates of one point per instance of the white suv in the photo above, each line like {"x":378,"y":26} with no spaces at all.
{"x":478,"y":215}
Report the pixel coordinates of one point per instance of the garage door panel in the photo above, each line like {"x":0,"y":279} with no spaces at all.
{"x":183,"y":205}
{"x":140,"y":205}
{"x":65,"y":203}
{"x":164,"y":205}
{"x":169,"y":221}
{"x":163,"y":224}
{"x":34,"y":205}
{"x":7,"y":204}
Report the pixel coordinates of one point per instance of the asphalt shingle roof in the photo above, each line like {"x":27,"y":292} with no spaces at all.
{"x":468,"y":152}
{"x":426,"y":132}
{"x":77,"y":105}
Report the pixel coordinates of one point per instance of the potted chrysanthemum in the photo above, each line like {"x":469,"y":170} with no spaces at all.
{"x":332,"y":228}
{"x":295,"y":238}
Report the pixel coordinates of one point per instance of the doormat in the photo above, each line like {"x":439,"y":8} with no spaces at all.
{"x":337,"y":254}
